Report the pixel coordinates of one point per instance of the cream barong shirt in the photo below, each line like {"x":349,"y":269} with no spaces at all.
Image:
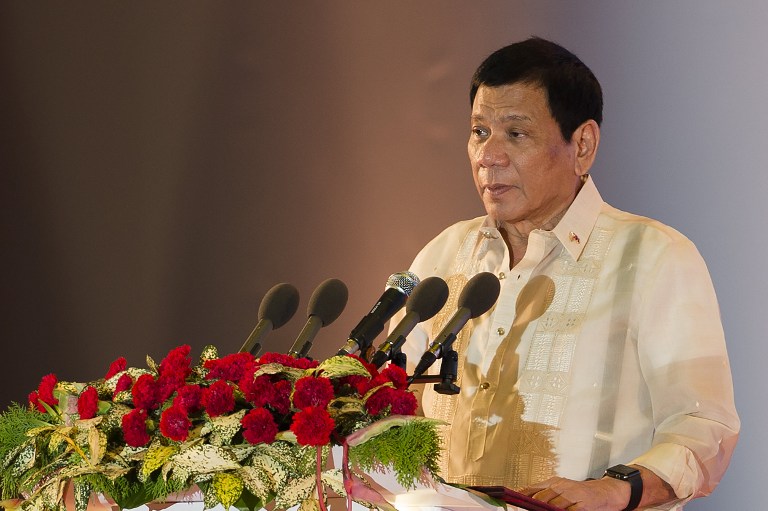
{"x":604,"y":347}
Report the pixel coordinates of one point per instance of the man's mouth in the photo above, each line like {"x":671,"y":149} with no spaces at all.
{"x":495,"y":190}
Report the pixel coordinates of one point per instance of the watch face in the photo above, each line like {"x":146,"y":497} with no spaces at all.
{"x":624,"y":471}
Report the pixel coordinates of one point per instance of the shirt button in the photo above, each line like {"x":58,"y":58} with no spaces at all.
{"x":485,"y":385}
{"x":502,"y":276}
{"x":500,"y":331}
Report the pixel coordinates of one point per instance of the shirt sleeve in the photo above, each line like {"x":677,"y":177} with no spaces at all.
{"x":683,"y":358}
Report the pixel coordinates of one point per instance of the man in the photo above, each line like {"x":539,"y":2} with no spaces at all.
{"x":604,"y":353}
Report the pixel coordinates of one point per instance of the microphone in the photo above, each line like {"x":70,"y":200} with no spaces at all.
{"x":325,"y":305}
{"x":426,"y":301}
{"x":277,"y":307}
{"x":479,"y":295}
{"x":398,"y":289}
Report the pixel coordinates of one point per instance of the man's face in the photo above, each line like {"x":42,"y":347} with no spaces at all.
{"x":523,"y":169}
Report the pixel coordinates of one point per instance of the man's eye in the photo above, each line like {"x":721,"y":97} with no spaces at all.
{"x":515,"y":134}
{"x":479,"y":132}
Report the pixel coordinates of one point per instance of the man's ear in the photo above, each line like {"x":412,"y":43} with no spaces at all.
{"x":586,"y":138}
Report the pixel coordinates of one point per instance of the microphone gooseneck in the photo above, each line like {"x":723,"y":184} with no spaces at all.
{"x":277,"y":307}
{"x":398,"y":289}
{"x":325,"y":305}
{"x":426,"y":301}
{"x":477,"y":297}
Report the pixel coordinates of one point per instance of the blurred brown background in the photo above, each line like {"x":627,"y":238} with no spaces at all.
{"x":163,"y":164}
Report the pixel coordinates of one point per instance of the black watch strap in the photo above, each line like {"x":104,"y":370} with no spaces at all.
{"x":632,"y":476}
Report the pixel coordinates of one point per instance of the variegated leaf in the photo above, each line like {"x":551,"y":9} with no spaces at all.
{"x":295,"y":491}
{"x":223,"y":429}
{"x":114,"y":417}
{"x":311,"y":504}
{"x":242,"y":451}
{"x":82,"y":492}
{"x":200,"y":459}
{"x":258,"y":481}
{"x":89,"y":437}
{"x":10,"y":457}
{"x":227,"y":487}
{"x":210,"y":352}
{"x":25,"y":460}
{"x":291,"y":373}
{"x":33,"y":432}
{"x":58,"y":437}
{"x":299,"y":460}
{"x":52,"y":495}
{"x":156,"y":456}
{"x":339,"y":366}
{"x":334,"y":479}
{"x":69,"y":387}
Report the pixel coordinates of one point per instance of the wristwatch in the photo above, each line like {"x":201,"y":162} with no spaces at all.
{"x":632,"y":476}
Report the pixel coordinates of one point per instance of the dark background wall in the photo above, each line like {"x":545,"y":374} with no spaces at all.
{"x":163,"y":164}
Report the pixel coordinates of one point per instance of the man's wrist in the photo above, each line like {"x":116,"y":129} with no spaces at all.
{"x":631,"y":476}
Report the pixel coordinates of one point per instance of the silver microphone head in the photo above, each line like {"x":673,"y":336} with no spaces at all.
{"x":404,"y":281}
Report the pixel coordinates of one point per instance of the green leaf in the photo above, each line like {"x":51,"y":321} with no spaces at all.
{"x":386,"y":424}
{"x":227,"y":488}
{"x":407,"y":446}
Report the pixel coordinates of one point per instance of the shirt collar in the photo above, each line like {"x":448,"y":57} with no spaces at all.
{"x":575,"y":227}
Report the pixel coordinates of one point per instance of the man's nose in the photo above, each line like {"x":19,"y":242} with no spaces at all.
{"x":493,"y":154}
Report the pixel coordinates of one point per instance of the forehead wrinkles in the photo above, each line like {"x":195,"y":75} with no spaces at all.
{"x":506,"y":103}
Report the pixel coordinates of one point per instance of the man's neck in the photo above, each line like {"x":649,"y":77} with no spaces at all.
{"x":516,"y":235}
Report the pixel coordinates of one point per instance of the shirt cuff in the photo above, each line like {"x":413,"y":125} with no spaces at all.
{"x":676,"y":465}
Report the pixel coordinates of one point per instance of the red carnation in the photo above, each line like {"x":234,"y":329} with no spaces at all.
{"x":361,"y":384}
{"x":311,"y":391}
{"x":44,"y":393}
{"x":232,"y":367}
{"x":45,"y":390}
{"x":135,"y":428}
{"x":175,"y":424}
{"x":167,"y":384}
{"x":400,"y":402}
{"x":88,"y":403}
{"x":219,"y":398}
{"x":313,"y":426}
{"x":258,"y":391}
{"x":281,"y":403}
{"x":123,"y":383}
{"x":177,"y":360}
{"x":396,"y":375}
{"x":145,"y":392}
{"x":259,"y":426}
{"x":115,"y":367}
{"x":190,"y":397}
{"x":288,"y":361}
{"x":173,"y":371}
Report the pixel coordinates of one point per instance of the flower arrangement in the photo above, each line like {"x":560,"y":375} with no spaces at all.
{"x":247,"y":431}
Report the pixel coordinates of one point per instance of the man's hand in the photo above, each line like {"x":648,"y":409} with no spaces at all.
{"x":606,"y":494}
